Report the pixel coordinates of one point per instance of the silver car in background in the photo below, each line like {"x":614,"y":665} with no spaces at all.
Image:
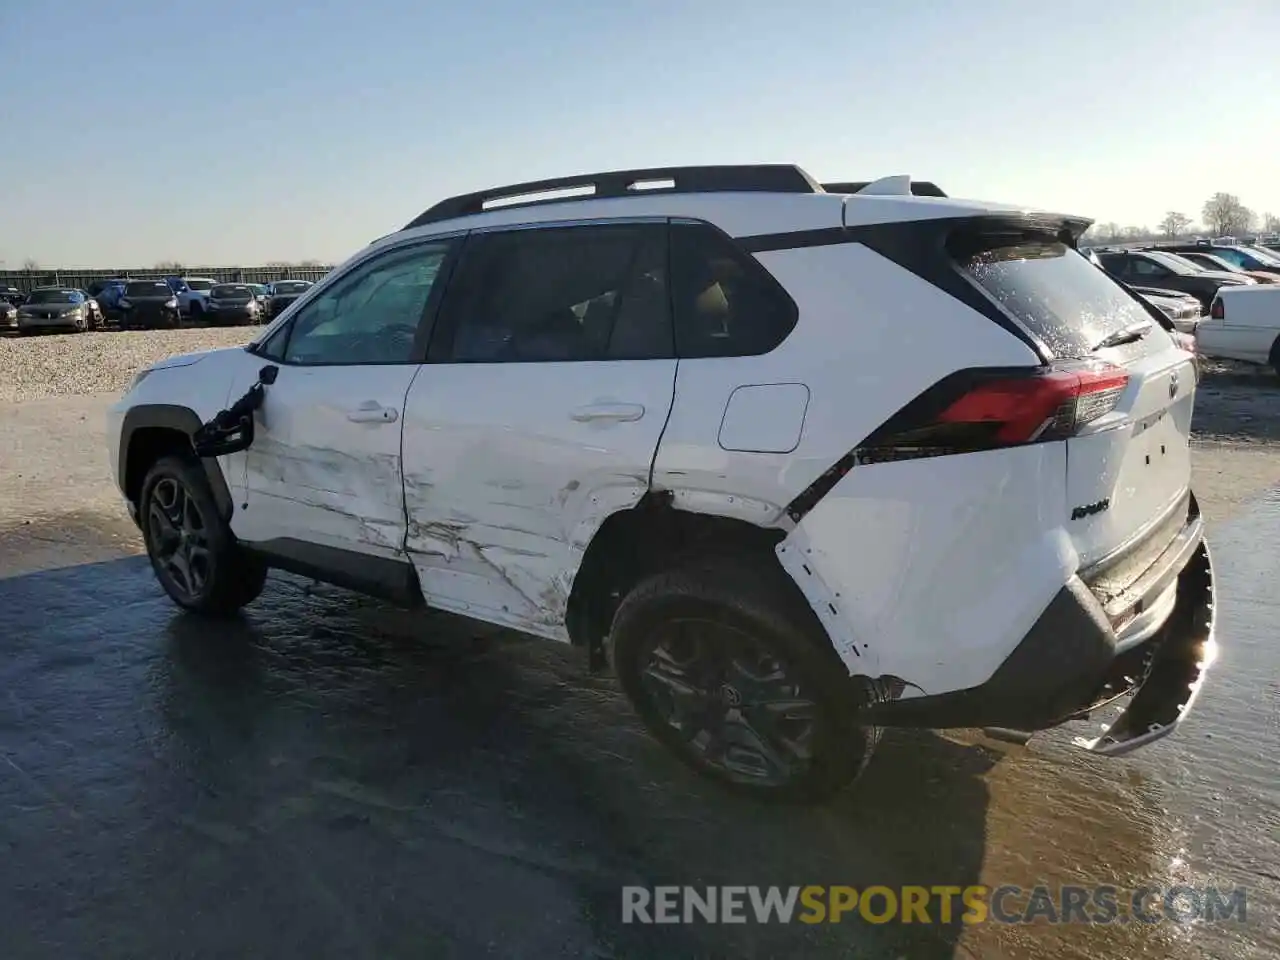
{"x":57,"y":308}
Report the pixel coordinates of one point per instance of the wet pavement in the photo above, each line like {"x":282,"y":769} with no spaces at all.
{"x":328,"y":777}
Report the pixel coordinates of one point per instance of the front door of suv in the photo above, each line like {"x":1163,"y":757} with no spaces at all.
{"x":321,"y":483}
{"x":549,"y":379}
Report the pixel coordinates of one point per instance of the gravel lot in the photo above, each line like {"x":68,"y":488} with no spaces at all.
{"x":54,"y":365}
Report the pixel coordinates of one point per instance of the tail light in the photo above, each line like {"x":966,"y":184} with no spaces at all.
{"x":987,"y":409}
{"x":1216,"y":310}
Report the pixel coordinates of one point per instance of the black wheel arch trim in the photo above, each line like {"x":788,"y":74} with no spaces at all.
{"x":179,"y":419}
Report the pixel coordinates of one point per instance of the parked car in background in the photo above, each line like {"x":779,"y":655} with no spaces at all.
{"x":108,"y":294}
{"x":1182,"y":309}
{"x":263,"y":296}
{"x":1243,"y":324}
{"x":11,"y":295}
{"x":284,"y":292}
{"x":1244,"y":257}
{"x":1161,"y":271}
{"x":56,"y":308}
{"x":8,"y":315}
{"x":1210,"y":261}
{"x":231,"y":304}
{"x":148,"y":304}
{"x":193,"y":296}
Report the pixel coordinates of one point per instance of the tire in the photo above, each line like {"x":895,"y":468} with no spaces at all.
{"x":728,"y":630}
{"x":1275,"y":356}
{"x":196,"y":311}
{"x":205,"y":570}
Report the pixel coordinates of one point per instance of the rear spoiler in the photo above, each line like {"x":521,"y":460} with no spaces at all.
{"x":900,"y":185}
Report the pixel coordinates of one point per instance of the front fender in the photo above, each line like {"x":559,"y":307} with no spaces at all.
{"x":178,"y":419}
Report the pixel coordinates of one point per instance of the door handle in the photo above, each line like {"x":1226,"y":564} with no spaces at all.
{"x":616,"y":412}
{"x":372,"y":412}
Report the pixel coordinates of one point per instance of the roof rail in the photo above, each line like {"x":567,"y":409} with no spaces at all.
{"x":919,"y":188}
{"x":743,"y":178}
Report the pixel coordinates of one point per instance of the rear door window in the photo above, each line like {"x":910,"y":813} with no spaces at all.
{"x":559,"y":294}
{"x":726,"y":304}
{"x":1056,"y":294}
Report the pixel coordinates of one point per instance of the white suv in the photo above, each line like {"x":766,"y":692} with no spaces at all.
{"x":798,"y":462}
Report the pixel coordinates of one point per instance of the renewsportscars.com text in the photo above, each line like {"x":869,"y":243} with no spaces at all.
{"x":938,"y":904}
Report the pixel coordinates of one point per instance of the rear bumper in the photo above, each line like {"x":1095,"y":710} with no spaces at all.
{"x":1080,"y":655}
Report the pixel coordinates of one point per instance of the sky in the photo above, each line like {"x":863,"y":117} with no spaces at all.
{"x":248,"y":131}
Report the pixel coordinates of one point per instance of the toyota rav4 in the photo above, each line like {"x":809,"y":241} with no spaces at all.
{"x":798,"y":461}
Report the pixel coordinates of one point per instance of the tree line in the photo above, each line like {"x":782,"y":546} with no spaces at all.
{"x":1223,"y":215}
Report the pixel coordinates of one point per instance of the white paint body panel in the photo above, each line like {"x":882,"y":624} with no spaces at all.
{"x":511,"y":468}
{"x":1249,"y":328}
{"x":323,"y":468}
{"x":764,"y":418}
{"x":199,"y":381}
{"x":871,"y":336}
{"x":936,"y":569}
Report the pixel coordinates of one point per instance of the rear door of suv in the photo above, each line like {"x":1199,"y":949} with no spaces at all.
{"x":549,"y":380}
{"x":1128,"y":459}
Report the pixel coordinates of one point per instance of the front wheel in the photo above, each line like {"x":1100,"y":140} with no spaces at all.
{"x":192,"y":549}
{"x":728,"y":667}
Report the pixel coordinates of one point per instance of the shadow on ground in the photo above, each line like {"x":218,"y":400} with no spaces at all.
{"x":329,"y":777}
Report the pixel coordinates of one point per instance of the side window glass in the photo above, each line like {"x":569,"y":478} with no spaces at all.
{"x":594,"y":292}
{"x":372,"y":316}
{"x":725,"y":303}
{"x":1148,"y":268}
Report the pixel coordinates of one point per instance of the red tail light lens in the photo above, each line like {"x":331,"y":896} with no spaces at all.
{"x":1216,"y":310}
{"x":985,"y":409}
{"x":976,"y":410}
{"x":1044,"y":406}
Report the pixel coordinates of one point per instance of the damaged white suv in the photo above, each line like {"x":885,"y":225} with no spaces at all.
{"x":800,"y":461}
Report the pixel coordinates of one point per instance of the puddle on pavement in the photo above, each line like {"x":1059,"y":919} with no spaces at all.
{"x":328,"y":777}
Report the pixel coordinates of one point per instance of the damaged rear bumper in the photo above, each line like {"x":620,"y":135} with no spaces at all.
{"x":1153,"y":643}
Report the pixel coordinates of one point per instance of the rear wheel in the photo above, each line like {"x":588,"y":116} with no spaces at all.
{"x":728,"y":667}
{"x":192,"y":549}
{"x":1275,"y":356}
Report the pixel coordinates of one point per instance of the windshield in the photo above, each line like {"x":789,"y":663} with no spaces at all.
{"x":148,"y":288}
{"x":1269,"y":257}
{"x":56,"y":296}
{"x":1207,"y":261}
{"x":231,"y":291}
{"x":258,"y":289}
{"x":292,"y":286}
{"x":1056,"y":294}
{"x":1237,"y":256}
{"x":201,"y":285}
{"x":1173,"y":262}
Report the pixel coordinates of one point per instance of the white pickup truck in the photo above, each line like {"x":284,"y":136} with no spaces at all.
{"x":1243,"y":324}
{"x":193,"y":296}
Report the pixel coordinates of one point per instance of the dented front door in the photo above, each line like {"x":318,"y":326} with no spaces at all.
{"x":324,"y":467}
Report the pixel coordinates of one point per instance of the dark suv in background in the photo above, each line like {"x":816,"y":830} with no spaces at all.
{"x":1167,"y":271}
{"x":284,"y":292}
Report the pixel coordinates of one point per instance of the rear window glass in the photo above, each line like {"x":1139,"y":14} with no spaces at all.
{"x":200,"y":285}
{"x":1057,"y":294}
{"x":231,"y":291}
{"x":148,"y":288}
